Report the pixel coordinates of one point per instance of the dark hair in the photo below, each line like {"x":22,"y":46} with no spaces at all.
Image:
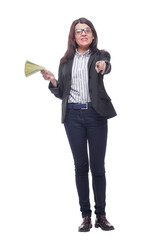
{"x":72,"y":45}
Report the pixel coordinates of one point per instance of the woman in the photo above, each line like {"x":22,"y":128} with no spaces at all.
{"x":86,"y":107}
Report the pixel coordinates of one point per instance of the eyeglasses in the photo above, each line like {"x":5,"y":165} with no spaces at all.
{"x":80,"y":31}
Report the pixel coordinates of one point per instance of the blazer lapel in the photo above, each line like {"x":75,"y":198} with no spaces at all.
{"x":69,"y":68}
{"x":90,"y":61}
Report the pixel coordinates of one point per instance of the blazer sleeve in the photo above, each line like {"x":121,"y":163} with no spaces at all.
{"x":105,"y":56}
{"x":57,"y":91}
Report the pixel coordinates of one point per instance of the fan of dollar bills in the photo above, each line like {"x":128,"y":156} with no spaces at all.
{"x":31,"y":68}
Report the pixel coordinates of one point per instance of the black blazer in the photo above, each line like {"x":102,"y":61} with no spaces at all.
{"x":101,"y":102}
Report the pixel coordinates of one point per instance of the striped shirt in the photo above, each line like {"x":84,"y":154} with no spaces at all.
{"x":79,"y":92}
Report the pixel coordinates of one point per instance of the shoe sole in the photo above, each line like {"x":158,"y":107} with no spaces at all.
{"x":97,"y":226}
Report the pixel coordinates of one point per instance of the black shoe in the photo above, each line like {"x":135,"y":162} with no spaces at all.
{"x":86,"y":225}
{"x":103,"y":223}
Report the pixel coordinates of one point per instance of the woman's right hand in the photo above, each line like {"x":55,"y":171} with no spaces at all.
{"x":47,"y":75}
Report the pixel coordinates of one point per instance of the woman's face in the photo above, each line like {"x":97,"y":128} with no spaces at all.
{"x":83,"y":38}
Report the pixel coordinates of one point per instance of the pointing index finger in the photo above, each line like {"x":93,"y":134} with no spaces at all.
{"x":97,"y":66}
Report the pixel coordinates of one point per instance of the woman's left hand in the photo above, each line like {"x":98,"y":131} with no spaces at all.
{"x":100,"y":66}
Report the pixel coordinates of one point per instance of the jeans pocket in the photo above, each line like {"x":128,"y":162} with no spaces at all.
{"x":93,"y":110}
{"x":96,"y":115}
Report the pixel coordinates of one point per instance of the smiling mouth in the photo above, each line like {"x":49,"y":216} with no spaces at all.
{"x":84,"y":39}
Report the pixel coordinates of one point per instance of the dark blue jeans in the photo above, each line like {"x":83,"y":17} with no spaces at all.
{"x":82,"y":127}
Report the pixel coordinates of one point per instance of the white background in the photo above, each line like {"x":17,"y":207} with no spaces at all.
{"x":38,"y":198}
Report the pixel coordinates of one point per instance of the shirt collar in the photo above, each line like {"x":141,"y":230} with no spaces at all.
{"x":84,"y":54}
